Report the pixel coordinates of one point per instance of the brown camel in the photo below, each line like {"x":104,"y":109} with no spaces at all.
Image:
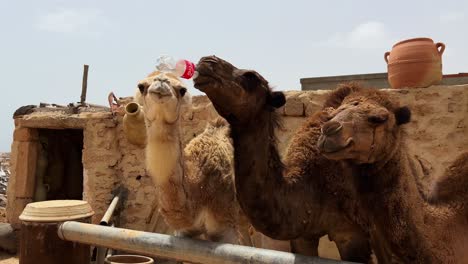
{"x":195,"y":185}
{"x":365,"y":134}
{"x":291,"y":201}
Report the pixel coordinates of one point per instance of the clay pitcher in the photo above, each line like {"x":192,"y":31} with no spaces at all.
{"x":134,"y":124}
{"x":415,"y":63}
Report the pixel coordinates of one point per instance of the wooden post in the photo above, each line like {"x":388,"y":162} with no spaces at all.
{"x":84,"y":86}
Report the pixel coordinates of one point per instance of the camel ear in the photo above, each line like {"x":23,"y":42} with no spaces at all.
{"x":402,"y":115}
{"x":185,"y":97}
{"x":276,"y":99}
{"x":142,"y":87}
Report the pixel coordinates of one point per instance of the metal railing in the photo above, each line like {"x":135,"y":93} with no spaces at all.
{"x":178,"y":248}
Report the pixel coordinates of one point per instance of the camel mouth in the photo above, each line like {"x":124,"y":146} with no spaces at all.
{"x":160,"y":95}
{"x":202,"y":80}
{"x":330,"y":146}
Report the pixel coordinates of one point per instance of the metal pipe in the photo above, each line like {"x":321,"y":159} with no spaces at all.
{"x":179,"y":248}
{"x":101,"y":253}
{"x":110,"y":251}
{"x":110,"y":211}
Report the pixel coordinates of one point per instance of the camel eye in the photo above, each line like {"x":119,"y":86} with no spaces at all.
{"x":377,"y":119}
{"x":250,"y":80}
{"x":355,"y":103}
{"x":182,"y":91}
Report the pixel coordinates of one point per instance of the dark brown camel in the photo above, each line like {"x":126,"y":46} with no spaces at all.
{"x":365,"y":134}
{"x":297,"y":200}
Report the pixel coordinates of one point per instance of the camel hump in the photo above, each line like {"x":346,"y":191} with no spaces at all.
{"x":211,"y":154}
{"x":453,"y":185}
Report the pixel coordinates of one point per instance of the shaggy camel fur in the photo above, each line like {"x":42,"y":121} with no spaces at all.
{"x":294,"y":201}
{"x":406,"y":223}
{"x":195,"y":184}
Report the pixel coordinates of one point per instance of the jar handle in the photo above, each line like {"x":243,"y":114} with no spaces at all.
{"x":386,"y":56}
{"x":441,"y":46}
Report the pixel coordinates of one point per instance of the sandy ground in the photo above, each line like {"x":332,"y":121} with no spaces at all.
{"x":327,"y":249}
{"x":6,"y":258}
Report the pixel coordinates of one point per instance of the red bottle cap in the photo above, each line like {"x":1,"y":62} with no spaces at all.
{"x":189,"y":70}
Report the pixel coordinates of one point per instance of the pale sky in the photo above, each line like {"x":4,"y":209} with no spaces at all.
{"x":44,"y":44}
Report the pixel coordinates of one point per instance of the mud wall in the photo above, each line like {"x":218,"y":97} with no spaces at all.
{"x":438,"y":133}
{"x":100,"y":156}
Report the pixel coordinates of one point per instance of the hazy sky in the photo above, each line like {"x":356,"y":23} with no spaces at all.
{"x":44,"y":44}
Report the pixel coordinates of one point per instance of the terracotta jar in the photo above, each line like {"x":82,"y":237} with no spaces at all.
{"x":415,"y":63}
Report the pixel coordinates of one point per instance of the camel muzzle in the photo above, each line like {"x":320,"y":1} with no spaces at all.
{"x":331,"y":128}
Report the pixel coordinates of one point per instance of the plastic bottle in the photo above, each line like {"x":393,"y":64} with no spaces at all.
{"x":182,"y":68}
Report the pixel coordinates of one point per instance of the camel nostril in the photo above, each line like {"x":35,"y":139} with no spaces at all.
{"x":161,"y":90}
{"x":331,"y":127}
{"x":210,"y":59}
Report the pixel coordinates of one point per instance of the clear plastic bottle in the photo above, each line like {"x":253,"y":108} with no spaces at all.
{"x":182,"y":68}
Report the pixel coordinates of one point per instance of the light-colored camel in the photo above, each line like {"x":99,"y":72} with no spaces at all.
{"x":406,"y":223}
{"x":195,"y":185}
{"x":296,"y":200}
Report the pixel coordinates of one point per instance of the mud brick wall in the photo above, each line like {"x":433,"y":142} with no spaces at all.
{"x":437,"y":134}
{"x":99,"y":157}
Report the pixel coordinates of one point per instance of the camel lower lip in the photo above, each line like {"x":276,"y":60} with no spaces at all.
{"x":160,"y":95}
{"x":348,"y":143}
{"x":201,"y":80}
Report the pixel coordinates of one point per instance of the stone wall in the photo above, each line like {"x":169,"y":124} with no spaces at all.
{"x":437,"y":134}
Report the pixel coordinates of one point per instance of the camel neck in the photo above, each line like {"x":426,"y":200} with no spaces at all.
{"x":381,"y":176}
{"x":165,"y":164}
{"x":393,"y":174}
{"x":160,"y":131}
{"x":265,"y":196}
{"x":255,"y":143}
{"x":392,"y":194}
{"x":164,"y":152}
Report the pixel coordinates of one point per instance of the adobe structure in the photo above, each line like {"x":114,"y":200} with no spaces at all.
{"x":84,"y":153}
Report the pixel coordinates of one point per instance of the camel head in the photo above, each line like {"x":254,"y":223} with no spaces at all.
{"x":162,"y":95}
{"x":363,"y":125}
{"x":238,"y":95}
